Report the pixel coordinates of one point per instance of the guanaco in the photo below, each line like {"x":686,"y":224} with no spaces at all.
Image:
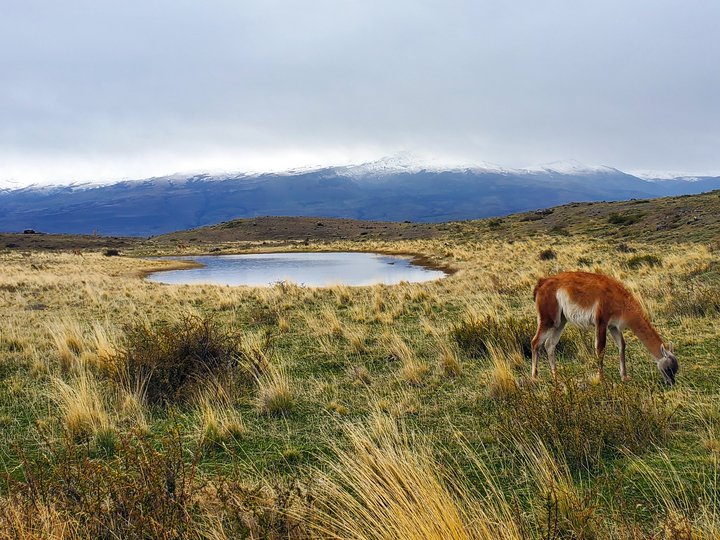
{"x":586,"y":300}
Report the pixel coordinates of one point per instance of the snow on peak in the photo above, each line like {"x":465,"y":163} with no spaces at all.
{"x":571,"y":166}
{"x":10,"y":184}
{"x":408,"y":163}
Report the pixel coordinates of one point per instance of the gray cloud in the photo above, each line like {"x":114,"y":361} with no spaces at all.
{"x":135,"y":88}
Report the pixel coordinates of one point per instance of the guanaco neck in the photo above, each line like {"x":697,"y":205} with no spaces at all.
{"x":645,"y":332}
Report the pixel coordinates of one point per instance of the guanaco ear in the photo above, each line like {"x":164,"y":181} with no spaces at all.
{"x":663,"y":351}
{"x":670,"y":346}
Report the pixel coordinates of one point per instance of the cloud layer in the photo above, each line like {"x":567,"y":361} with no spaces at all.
{"x":134,"y":88}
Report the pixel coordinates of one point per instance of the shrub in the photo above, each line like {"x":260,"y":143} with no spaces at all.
{"x":622,"y":247}
{"x":624,"y":219}
{"x":169,"y":359}
{"x":476,"y":336}
{"x":586,"y":423}
{"x":637,"y":261}
{"x":146,"y":490}
{"x":494,"y":223}
{"x":142,"y":492}
{"x":547,"y":255}
{"x":111,"y":253}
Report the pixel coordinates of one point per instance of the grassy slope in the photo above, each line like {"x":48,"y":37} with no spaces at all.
{"x":341,"y":351}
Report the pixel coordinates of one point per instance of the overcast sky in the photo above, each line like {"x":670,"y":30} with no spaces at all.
{"x":133,"y":88}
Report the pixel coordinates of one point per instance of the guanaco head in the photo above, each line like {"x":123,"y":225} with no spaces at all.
{"x":667,"y":364}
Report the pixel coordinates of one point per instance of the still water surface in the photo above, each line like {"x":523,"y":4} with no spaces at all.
{"x":309,"y":269}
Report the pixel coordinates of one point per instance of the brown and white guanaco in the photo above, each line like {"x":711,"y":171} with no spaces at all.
{"x":588,"y":300}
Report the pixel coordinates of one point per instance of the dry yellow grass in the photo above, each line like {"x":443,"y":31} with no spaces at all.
{"x":81,"y":403}
{"x":275,"y":395}
{"x":384,"y":486}
{"x":502,"y":384}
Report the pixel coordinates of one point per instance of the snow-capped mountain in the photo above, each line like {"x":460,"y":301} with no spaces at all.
{"x":572,"y":167}
{"x":392,"y":189}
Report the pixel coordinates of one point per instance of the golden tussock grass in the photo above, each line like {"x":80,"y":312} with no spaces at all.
{"x":81,"y":404}
{"x":448,"y":359}
{"x":275,"y":395}
{"x":502,"y":383}
{"x":218,"y":422}
{"x":385,"y":485}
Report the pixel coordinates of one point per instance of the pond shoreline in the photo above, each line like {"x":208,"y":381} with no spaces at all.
{"x":418,"y":259}
{"x":144,"y":273}
{"x":187,"y":262}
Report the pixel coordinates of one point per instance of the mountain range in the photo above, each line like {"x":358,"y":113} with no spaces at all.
{"x":393,"y":189}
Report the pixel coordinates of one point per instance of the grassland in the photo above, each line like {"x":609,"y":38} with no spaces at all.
{"x":130,"y":409}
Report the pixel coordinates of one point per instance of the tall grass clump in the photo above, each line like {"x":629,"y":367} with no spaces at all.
{"x":255,"y":347}
{"x":448,"y":360}
{"x":586,"y":424}
{"x":69,"y":342}
{"x":384,"y":485}
{"x":560,"y":508}
{"x":502,"y":384}
{"x":412,"y":370}
{"x":275,"y":396}
{"x":168,"y":359}
{"x":218,"y":421}
{"x":695,"y":300}
{"x":81,"y":405}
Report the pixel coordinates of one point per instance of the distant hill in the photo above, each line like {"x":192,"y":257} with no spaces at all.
{"x":687,"y":218}
{"x":387,"y":190}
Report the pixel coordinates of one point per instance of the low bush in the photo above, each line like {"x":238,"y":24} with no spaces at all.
{"x":586,"y":423}
{"x":622,"y":247}
{"x":547,"y":255}
{"x":146,"y":490}
{"x":637,"y":261}
{"x":624,"y":219}
{"x":476,"y":336}
{"x":168,"y":360}
{"x":143,"y":492}
{"x":494,"y":223}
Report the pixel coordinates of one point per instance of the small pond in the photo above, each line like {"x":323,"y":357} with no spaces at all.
{"x":308,"y":269}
